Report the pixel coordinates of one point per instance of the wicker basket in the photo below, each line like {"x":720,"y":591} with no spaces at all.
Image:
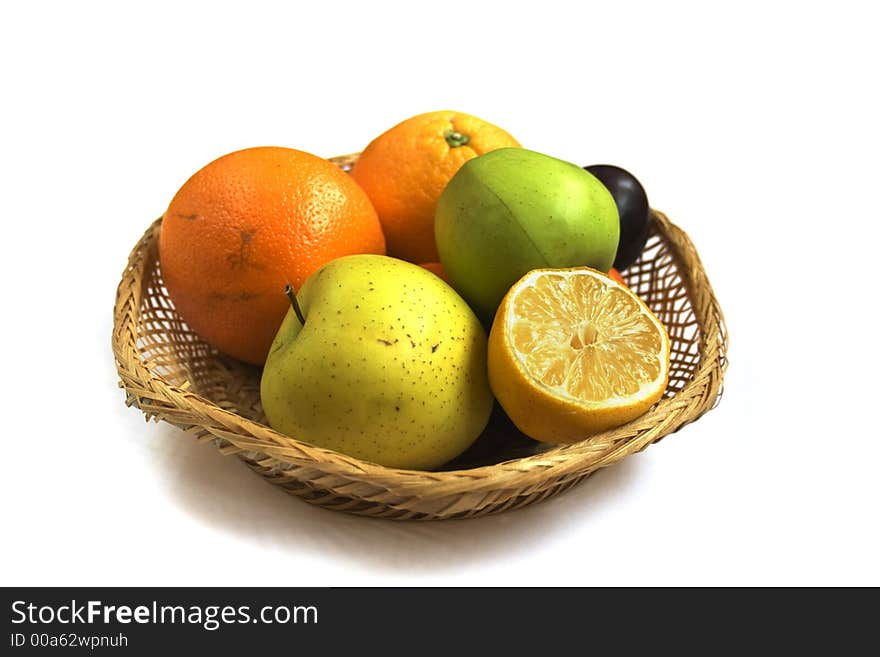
{"x":170,"y":374}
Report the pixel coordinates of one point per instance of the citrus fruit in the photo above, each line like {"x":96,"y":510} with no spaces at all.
{"x":404,"y":170}
{"x":435,"y":268}
{"x":572,"y":352}
{"x":247,"y":224}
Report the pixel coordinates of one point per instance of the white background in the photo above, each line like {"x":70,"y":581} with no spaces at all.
{"x":754,"y":128}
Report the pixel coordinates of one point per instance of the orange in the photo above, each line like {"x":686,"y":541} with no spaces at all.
{"x":437,"y":269}
{"x":404,"y":170}
{"x":247,"y":224}
{"x":573,"y":352}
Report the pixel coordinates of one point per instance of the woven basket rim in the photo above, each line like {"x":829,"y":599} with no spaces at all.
{"x":532,"y":471}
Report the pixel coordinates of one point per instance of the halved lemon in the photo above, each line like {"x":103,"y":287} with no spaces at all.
{"x":573,"y":352}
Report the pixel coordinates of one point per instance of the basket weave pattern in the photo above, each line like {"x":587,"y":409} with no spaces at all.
{"x":170,"y":374}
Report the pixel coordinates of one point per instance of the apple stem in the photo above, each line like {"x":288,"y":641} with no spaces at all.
{"x":288,"y":290}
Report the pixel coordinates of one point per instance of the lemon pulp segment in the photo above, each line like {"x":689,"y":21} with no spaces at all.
{"x":586,"y":338}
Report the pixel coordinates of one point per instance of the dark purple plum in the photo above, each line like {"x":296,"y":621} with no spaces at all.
{"x":633,"y":208}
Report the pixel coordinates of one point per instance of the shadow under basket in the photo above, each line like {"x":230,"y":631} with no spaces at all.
{"x":170,"y":374}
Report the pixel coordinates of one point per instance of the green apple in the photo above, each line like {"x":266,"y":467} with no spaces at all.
{"x":513,"y":210}
{"x":388,"y":364}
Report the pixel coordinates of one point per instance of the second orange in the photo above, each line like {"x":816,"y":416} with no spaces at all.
{"x":405,"y":169}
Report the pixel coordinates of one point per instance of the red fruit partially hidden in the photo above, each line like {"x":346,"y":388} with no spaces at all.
{"x":436,"y":268}
{"x":616,"y":276}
